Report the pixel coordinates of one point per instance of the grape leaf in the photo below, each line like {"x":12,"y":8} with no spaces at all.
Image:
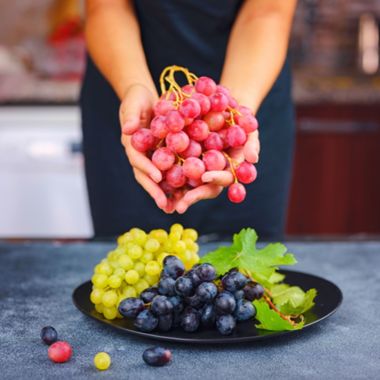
{"x":292,"y":299}
{"x":243,"y":253}
{"x":270,"y":320}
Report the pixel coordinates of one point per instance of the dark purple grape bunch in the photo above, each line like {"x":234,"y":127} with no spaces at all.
{"x":191,"y":300}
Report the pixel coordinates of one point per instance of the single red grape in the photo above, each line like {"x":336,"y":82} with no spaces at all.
{"x":162,"y":107}
{"x":214,"y":160}
{"x":175,"y":176}
{"x":236,"y":193}
{"x":174,"y":121}
{"x":219,"y":102}
{"x":215,"y":121}
{"x":163,"y":158}
{"x":159,"y":127}
{"x":193,"y":150}
{"x":236,"y":136}
{"x":203,"y":101}
{"x":143,"y":140}
{"x":247,"y":121}
{"x":198,"y":130}
{"x":205,"y":86}
{"x":60,"y":352}
{"x":193,"y":168}
{"x":246,"y":172}
{"x":213,"y":141}
{"x":190,"y":108}
{"x":177,"y":141}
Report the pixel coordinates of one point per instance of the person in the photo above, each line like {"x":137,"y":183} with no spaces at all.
{"x":241,"y":45}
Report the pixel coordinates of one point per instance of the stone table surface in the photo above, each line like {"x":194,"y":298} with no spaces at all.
{"x":37,"y":279}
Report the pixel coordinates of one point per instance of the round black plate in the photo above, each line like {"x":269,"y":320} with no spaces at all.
{"x":326,"y":303}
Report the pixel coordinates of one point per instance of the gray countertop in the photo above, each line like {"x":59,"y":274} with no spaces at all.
{"x":37,"y":279}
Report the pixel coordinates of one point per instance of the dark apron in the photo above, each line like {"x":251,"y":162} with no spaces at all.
{"x":194,"y":34}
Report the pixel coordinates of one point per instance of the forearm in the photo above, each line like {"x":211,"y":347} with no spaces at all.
{"x":257,"y":49}
{"x":114,"y":43}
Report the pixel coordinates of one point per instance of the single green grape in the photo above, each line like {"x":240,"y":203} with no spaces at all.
{"x":139,"y":236}
{"x":102,"y":361}
{"x":114,"y":281}
{"x":152,"y":245}
{"x":190,"y":233}
{"x":139,"y":268}
{"x":99,"y":307}
{"x":141,"y":285}
{"x":125,"y":262}
{"x":174,"y":236}
{"x":159,"y":234}
{"x":129,"y":291}
{"x":131,"y":277}
{"x":105,"y":268}
{"x":125,"y":238}
{"x":179,"y":247}
{"x":96,"y":296}
{"x":135,"y":251}
{"x":99,"y":280}
{"x":147,"y":256}
{"x":176,"y":228}
{"x":110,"y":312}
{"x":161,"y":257}
{"x":151,"y":280}
{"x":109,"y":298}
{"x":185,"y":256}
{"x":120,"y":272}
{"x":152,"y":268}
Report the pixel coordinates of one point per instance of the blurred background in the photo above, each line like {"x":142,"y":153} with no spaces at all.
{"x":336,"y":182}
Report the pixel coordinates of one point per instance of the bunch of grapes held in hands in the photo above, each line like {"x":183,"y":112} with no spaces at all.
{"x":196,"y":129}
{"x":193,"y":299}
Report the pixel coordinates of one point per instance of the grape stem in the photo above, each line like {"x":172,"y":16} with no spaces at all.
{"x":230,"y":161}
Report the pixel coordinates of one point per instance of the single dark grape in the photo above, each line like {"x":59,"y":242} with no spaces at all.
{"x":206,"y":291}
{"x":161,"y":306}
{"x":193,"y":275}
{"x":184,"y":286}
{"x":166,"y":286}
{"x":225,"y":303}
{"x":165,"y":322}
{"x":253,"y":291}
{"x":190,"y":320}
{"x":239,"y":294}
{"x":177,"y":303}
{"x":157,"y":356}
{"x":234,"y":281}
{"x":130,"y":307}
{"x":173,"y":267}
{"x":148,"y":294}
{"x":244,"y":310}
{"x":208,"y":315}
{"x":146,"y":321}
{"x":225,"y":324}
{"x":206,"y":272}
{"x":194,"y":301}
{"x":49,"y":335}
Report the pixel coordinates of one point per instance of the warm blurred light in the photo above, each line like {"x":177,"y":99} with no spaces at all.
{"x":368,"y":44}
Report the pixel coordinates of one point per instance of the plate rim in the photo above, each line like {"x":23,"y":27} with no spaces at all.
{"x":226,"y":340}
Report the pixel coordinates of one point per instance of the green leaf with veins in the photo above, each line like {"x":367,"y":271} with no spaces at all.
{"x":243,"y":253}
{"x":270,"y":320}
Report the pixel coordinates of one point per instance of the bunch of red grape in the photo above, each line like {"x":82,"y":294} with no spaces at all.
{"x":194,"y":130}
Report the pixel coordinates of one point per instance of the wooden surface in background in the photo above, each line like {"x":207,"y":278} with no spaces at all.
{"x":336,"y":180}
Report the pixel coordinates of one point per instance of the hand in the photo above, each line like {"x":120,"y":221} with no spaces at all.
{"x":217,"y":180}
{"x":135,"y":112}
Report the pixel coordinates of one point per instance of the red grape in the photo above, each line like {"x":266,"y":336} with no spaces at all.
{"x":188,"y":89}
{"x":236,"y":193}
{"x":236,"y":136}
{"x":213,"y":141}
{"x":175,"y":176}
{"x":203,"y":101}
{"x":222,"y":133}
{"x":205,"y":86}
{"x":175,"y":121}
{"x":163,"y":158}
{"x":143,"y":140}
{"x":224,"y":90}
{"x":247,"y":121}
{"x":198,"y":130}
{"x":177,"y":141}
{"x":159,"y":127}
{"x":193,"y":150}
{"x":215,"y":121}
{"x":194,"y":182}
{"x":214,"y":160}
{"x":166,"y":188}
{"x":219,"y":102}
{"x":190,"y":109}
{"x":60,"y":352}
{"x":246,"y":172}
{"x":193,"y":168}
{"x":162,"y":107}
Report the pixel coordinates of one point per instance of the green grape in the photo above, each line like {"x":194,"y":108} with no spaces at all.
{"x":190,"y":233}
{"x":109,"y":298}
{"x":151,"y":280}
{"x":131,"y":277}
{"x":97,"y":269}
{"x":159,"y":234}
{"x":99,"y":307}
{"x":140,"y":268}
{"x":139,"y":236}
{"x":152,"y":268}
{"x":135,"y":251}
{"x":114,"y":281}
{"x":168,"y":246}
{"x":112,"y":255}
{"x":125,"y":262}
{"x":105,"y":268}
{"x":176,"y":229}
{"x":99,"y":280}
{"x":174,"y":236}
{"x":147,"y":256}
{"x":152,"y":245}
{"x":141,"y":285}
{"x":96,"y":296}
{"x":114,"y":265}
{"x":185,"y":256}
{"x":120,"y":272}
{"x":161,"y":257}
{"x":125,"y":238}
{"x":129,"y":291}
{"x":110,"y":312}
{"x":179,"y":247}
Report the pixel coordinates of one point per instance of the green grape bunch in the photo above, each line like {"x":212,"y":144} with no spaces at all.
{"x":136,"y":263}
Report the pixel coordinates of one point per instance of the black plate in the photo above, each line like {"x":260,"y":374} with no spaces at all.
{"x":326,"y":303}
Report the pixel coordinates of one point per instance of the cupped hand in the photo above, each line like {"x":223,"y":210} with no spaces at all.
{"x":217,"y":180}
{"x":136,"y":112}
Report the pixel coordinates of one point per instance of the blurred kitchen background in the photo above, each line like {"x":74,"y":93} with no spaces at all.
{"x":336,"y":185}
